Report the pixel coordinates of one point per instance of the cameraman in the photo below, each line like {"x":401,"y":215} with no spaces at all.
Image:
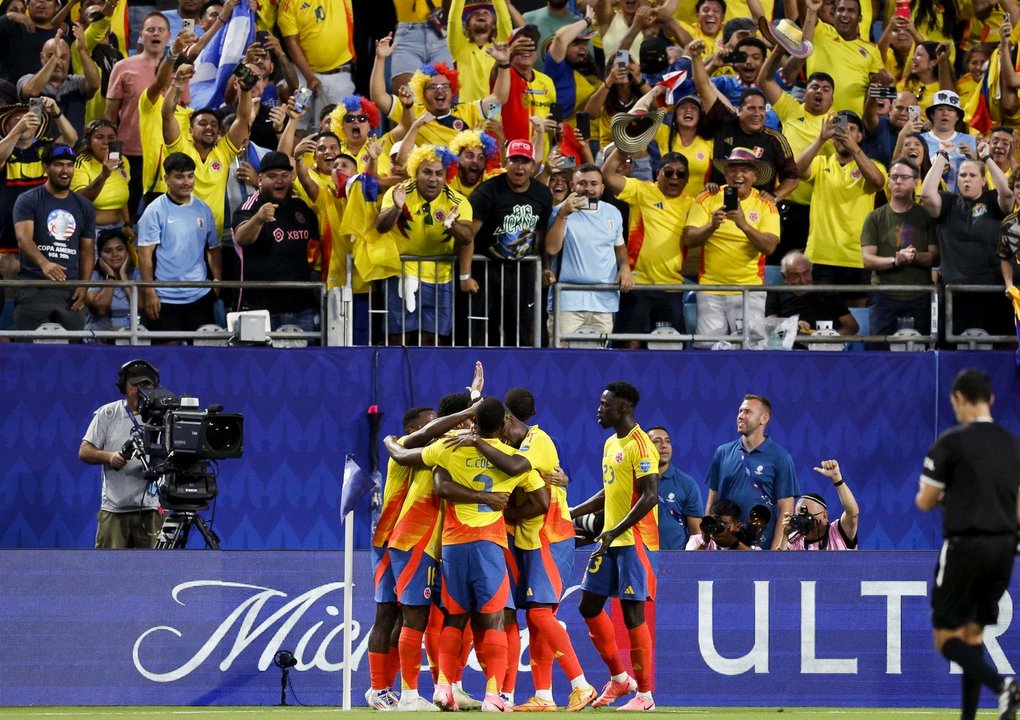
{"x":809,"y":528}
{"x":129,"y":516}
{"x":722,"y":530}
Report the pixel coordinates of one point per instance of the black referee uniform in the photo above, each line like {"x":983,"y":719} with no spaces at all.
{"x":976,"y":466}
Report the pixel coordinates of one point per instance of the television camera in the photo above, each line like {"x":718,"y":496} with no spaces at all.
{"x":178,"y":444}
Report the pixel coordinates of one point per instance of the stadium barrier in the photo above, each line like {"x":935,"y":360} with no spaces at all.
{"x":732,"y":629}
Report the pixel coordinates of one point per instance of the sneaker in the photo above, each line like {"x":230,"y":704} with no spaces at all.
{"x":580,"y":698}
{"x":380,"y":699}
{"x":1009,"y":698}
{"x":537,"y":705}
{"x":419,"y":704}
{"x":444,"y":699}
{"x":495,"y":703}
{"x":465,"y":701}
{"x":508,"y":698}
{"x":638,"y":703}
{"x":613,"y":690}
{"x":393,"y":696}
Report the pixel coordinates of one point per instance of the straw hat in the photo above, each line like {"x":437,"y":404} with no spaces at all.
{"x":633,"y":131}
{"x":787,"y":35}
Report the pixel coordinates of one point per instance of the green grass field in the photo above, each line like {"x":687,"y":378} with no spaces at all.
{"x":320,"y":713}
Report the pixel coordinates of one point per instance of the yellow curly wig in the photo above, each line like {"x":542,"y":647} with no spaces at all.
{"x":421,"y":154}
{"x":466,"y":139}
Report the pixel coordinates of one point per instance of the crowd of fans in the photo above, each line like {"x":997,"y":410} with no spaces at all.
{"x":635,"y":144}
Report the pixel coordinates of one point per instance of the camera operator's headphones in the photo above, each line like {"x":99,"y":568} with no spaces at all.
{"x":129,"y":367}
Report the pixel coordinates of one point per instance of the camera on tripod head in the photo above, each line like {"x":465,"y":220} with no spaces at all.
{"x":176,"y":442}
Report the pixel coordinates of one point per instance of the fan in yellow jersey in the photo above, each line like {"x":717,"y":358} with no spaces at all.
{"x":475,"y":150}
{"x":475,"y":25}
{"x":211,"y":149}
{"x":474,"y":573}
{"x":380,"y":651}
{"x":623,"y":562}
{"x":412,"y":549}
{"x":543,"y":551}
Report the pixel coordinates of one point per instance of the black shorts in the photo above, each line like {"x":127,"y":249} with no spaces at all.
{"x":640,"y":311}
{"x":186,"y":317}
{"x":971,"y":575}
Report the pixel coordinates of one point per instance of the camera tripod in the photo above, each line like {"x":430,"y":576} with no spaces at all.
{"x":177,"y":526}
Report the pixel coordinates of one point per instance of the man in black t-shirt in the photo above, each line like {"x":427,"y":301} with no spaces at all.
{"x":809,"y":306}
{"x":972,"y":471}
{"x":56,"y":231}
{"x":271,"y":231}
{"x":511,"y":212}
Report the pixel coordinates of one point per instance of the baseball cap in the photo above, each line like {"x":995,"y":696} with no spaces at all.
{"x":275,"y":161}
{"x":57,"y":152}
{"x":521,"y":148}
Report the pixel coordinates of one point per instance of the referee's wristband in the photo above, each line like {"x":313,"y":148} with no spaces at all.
{"x":837,"y":484}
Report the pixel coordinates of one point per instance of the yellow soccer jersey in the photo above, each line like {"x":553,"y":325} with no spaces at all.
{"x":419,"y":230}
{"x":420,"y":518}
{"x":556,"y":524}
{"x":211,"y":174}
{"x":801,"y":129}
{"x":324,"y":30}
{"x":462,"y":116}
{"x":625,"y":461}
{"x":729,"y":258}
{"x":656,"y":224}
{"x":395,"y":489}
{"x":150,"y":129}
{"x":114,"y":194}
{"x":835,"y":237}
{"x":849,"y":64}
{"x":465,"y":522}
{"x":698,"y":154}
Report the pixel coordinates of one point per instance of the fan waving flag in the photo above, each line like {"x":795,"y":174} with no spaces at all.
{"x":678,"y":82}
{"x":356,"y":483}
{"x":219,"y":58}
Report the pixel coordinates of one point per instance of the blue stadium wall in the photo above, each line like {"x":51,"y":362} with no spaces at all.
{"x":305,"y":409}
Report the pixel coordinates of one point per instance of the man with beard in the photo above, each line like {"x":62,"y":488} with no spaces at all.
{"x":272,"y":230}
{"x":212,"y":151}
{"x":844,"y":193}
{"x":476,"y":25}
{"x":802,"y":123}
{"x":747,"y":76}
{"x":658,"y":215}
{"x":840,"y":50}
{"x":511,"y":212}
{"x":70,"y":91}
{"x":568,"y":62}
{"x":426,"y":218}
{"x":745,"y":128}
{"x":56,"y":231}
{"x":472,"y":148}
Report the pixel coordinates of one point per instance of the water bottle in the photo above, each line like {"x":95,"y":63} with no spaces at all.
{"x":301,"y":98}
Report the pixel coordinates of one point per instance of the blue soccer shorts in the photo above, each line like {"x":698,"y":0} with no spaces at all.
{"x":545,"y":572}
{"x":415,"y":571}
{"x":475,"y":578}
{"x":385,"y":580}
{"x":626,"y":572}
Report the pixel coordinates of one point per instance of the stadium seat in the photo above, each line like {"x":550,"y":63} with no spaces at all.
{"x":976,"y":334}
{"x":691,"y":316}
{"x":53,"y":328}
{"x":863,"y":318}
{"x":296,"y":342}
{"x":667,"y":343}
{"x":211,"y":342}
{"x":773,"y":275}
{"x":906,"y":342}
{"x":596,"y":343}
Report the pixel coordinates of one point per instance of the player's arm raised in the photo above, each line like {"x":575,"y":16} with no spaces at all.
{"x":448,"y":489}
{"x":401,"y":455}
{"x":437,"y":428}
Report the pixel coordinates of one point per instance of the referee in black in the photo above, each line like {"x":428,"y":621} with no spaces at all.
{"x":973,"y":471}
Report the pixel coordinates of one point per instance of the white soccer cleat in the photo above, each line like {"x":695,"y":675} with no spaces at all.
{"x":418,"y":704}
{"x":465,"y":701}
{"x":382,"y":700}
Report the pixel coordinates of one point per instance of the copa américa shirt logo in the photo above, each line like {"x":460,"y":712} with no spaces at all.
{"x":61,"y":224}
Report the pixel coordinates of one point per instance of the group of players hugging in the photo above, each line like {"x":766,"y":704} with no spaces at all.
{"x":475,"y":526}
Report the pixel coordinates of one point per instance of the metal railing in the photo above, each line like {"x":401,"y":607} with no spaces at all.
{"x":951,"y":336}
{"x":137,"y":334}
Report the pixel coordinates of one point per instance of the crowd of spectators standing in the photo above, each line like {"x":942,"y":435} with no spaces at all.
{"x":631,"y":144}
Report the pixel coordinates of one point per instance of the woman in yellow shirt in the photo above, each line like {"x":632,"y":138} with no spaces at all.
{"x":923,"y":81}
{"x":102,"y":179}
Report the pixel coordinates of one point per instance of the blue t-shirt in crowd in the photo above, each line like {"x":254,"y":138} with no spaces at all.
{"x":589,"y":256}
{"x":759,"y":477}
{"x":732,"y":88}
{"x":181,"y":233}
{"x":59,"y":224}
{"x":679,"y":499}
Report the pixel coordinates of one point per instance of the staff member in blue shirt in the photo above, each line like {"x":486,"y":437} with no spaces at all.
{"x":679,"y":497}
{"x":754,"y":470}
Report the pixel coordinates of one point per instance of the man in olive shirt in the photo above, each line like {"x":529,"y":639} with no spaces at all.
{"x":898,"y":245}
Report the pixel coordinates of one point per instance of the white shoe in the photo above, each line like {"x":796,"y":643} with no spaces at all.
{"x":418,"y":704}
{"x":465,"y":701}
{"x":380,"y":699}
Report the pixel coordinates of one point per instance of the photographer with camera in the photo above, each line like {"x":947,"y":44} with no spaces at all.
{"x":809,"y":527}
{"x":129,"y":516}
{"x":723,"y":529}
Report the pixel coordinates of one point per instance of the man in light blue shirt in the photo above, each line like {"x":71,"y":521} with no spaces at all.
{"x":176,"y":238}
{"x":586,"y":239}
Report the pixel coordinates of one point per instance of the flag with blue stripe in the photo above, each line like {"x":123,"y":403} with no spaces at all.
{"x":219,"y":58}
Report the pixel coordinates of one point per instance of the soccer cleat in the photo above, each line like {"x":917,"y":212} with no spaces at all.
{"x":465,"y":701}
{"x":380,"y":699}
{"x":613,"y":690}
{"x":444,"y":699}
{"x":580,"y":698}
{"x":537,"y":705}
{"x":508,"y":698}
{"x":494,"y":703}
{"x":419,"y":704}
{"x":1009,"y":698}
{"x":638,"y":703}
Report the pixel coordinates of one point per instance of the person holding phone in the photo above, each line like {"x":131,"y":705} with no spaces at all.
{"x":735,"y":226}
{"x":188,"y":15}
{"x":569,"y":62}
{"x":54,"y":79}
{"x":101,"y":175}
